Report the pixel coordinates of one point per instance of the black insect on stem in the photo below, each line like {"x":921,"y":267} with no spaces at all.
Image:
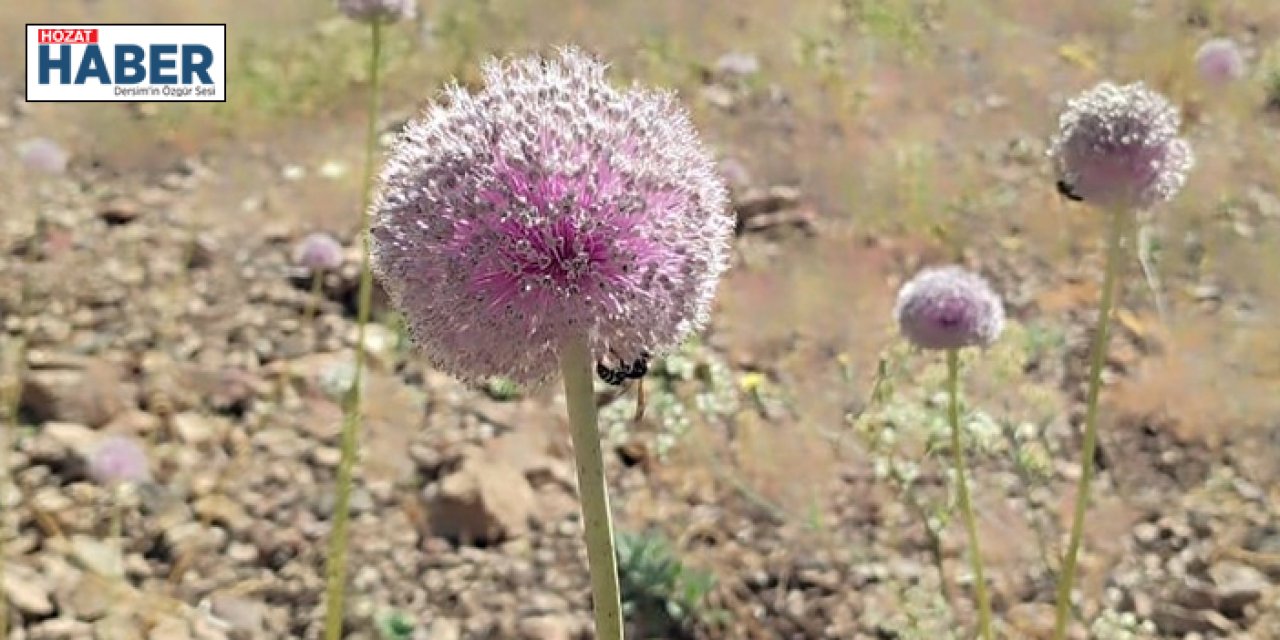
{"x":612,"y":376}
{"x":635,"y":370}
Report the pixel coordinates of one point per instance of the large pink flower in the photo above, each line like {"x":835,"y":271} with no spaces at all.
{"x":1117,"y":147}
{"x":547,"y":205}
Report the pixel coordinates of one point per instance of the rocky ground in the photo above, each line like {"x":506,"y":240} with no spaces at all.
{"x":159,"y":300}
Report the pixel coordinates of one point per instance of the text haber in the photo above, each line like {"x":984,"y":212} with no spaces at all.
{"x":67,"y":36}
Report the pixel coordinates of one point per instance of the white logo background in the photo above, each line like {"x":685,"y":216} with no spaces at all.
{"x":212,"y":36}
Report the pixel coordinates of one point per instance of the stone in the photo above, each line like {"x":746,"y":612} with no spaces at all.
{"x":133,"y":422}
{"x":1176,"y":621}
{"x":1146,"y":533}
{"x":445,"y":629}
{"x":97,"y":556}
{"x":549,"y":627}
{"x":117,"y":627}
{"x":380,"y":344}
{"x":190,"y":537}
{"x":326,"y":456}
{"x":1236,"y":586}
{"x":718,"y":96}
{"x":87,"y":599}
{"x":737,"y":64}
{"x":756,"y":202}
{"x":245,"y":616}
{"x":483,"y":501}
{"x":195,"y":429}
{"x":1264,"y":202}
{"x":26,"y":590}
{"x":88,"y":392}
{"x":60,"y":629}
{"x":51,"y":501}
{"x":77,"y":438}
{"x":220,"y":509}
{"x":170,"y":628}
{"x":121,"y":210}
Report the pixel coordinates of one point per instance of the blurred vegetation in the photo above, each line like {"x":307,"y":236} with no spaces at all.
{"x":660,"y":593}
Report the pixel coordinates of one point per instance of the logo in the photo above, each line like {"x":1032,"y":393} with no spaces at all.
{"x":126,"y":63}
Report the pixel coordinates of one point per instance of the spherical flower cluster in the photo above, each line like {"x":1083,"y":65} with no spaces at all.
{"x":378,"y":10}
{"x":949,"y":308}
{"x":43,"y":154}
{"x":118,"y":459}
{"x":1118,"y":147}
{"x":1220,"y":61}
{"x":318,"y":252}
{"x":549,"y":206}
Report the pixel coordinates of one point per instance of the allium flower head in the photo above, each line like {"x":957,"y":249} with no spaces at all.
{"x":545,"y":206}
{"x":43,"y":154}
{"x":318,"y":252}
{"x":1220,"y":61}
{"x":378,"y":10}
{"x":1118,"y":147}
{"x":118,"y":459}
{"x":949,"y":308}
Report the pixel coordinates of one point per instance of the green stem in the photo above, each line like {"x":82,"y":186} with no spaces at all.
{"x":575,"y":364}
{"x":1067,"y":577}
{"x":313,"y":302}
{"x":962,"y":488}
{"x":337,"y":567}
{"x":116,"y":534}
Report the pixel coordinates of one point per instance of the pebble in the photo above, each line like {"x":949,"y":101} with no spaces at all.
{"x":97,"y":556}
{"x":737,"y":64}
{"x":195,"y":429}
{"x":547,"y":628}
{"x":60,"y":629}
{"x":26,"y":590}
{"x":1236,"y":586}
{"x":120,"y":211}
{"x":223,"y":510}
{"x":245,"y":615}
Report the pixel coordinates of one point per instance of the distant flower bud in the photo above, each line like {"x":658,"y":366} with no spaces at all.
{"x":318,"y":252}
{"x":546,"y":206}
{"x":43,"y":154}
{"x":949,"y":308}
{"x":118,"y":459}
{"x":378,"y":10}
{"x":1220,"y":61}
{"x":1118,"y":147}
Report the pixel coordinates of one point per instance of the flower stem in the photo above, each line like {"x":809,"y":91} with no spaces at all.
{"x":313,"y":301}
{"x":962,"y":488}
{"x":575,"y":364}
{"x":337,"y":566}
{"x":1067,"y":577}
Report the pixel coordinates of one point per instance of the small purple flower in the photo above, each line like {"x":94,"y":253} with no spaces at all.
{"x":1220,"y":61}
{"x":546,"y":206}
{"x":949,"y":308}
{"x":43,"y":154}
{"x":1118,"y":147}
{"x":318,"y":252}
{"x":118,"y":459}
{"x":378,"y":10}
